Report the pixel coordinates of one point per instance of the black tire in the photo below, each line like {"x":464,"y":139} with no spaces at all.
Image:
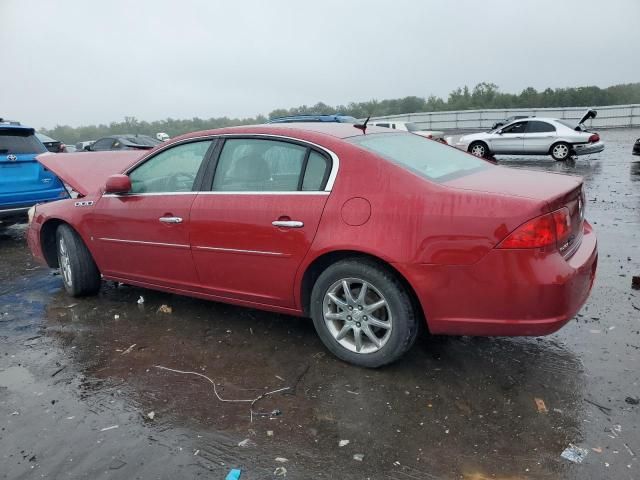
{"x":479,"y":149}
{"x":82,"y":277}
{"x":402,"y":313}
{"x":560,"y":151}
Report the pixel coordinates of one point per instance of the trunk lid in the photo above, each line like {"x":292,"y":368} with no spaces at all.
{"x":586,"y":116}
{"x":555,"y":190}
{"x":87,"y":172}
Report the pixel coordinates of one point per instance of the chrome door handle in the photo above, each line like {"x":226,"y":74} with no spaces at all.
{"x":170,"y":219}
{"x":287,"y":223}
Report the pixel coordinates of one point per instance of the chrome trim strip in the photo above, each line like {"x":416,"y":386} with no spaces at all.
{"x":140,"y":242}
{"x":112,"y":195}
{"x":248,"y":252}
{"x":335,"y":161}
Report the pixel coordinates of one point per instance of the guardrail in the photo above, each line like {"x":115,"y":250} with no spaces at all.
{"x":609,"y":116}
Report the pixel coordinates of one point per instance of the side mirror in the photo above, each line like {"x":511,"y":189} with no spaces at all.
{"x":118,"y":184}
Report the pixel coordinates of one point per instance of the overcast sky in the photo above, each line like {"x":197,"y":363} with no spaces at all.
{"x":79,"y":62}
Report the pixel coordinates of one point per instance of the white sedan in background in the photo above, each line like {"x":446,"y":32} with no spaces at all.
{"x":535,"y":136}
{"x":409,"y":127}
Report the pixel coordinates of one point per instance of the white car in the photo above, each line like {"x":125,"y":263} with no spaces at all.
{"x":535,"y":136}
{"x":410,"y":127}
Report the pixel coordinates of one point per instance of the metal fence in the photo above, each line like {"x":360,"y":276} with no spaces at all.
{"x":611,"y":116}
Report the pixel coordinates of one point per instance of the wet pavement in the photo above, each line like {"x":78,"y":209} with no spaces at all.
{"x":79,"y":383}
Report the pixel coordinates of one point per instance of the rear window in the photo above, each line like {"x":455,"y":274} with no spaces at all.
{"x":19,"y":141}
{"x":427,"y":158}
{"x":141,"y":140}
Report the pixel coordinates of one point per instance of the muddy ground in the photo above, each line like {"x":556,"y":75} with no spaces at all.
{"x":78,"y":379}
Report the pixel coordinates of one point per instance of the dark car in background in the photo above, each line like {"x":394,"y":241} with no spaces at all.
{"x":123,"y":142}
{"x":636,"y":147}
{"x":507,"y":120}
{"x":23,"y":181}
{"x":55,"y":146}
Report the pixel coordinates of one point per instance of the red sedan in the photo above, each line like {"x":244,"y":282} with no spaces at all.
{"x":368,"y":232}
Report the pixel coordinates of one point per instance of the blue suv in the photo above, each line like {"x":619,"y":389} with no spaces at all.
{"x":23,"y":181}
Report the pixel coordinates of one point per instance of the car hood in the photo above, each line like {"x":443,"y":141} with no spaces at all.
{"x":87,"y":172}
{"x":518,"y":183}
{"x":473,"y":136}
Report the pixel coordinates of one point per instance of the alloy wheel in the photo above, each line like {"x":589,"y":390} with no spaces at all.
{"x":65,"y":263}
{"x":478,"y":150}
{"x":357,"y":315}
{"x":560,"y":151}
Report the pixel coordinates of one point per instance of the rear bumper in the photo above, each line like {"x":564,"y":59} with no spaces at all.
{"x":588,"y":148}
{"x":15,"y":206}
{"x":509,"y":292}
{"x":13,"y":213}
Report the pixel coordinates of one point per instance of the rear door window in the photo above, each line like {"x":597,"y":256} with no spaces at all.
{"x":535,"y":126}
{"x":258,"y":165}
{"x":17,"y":141}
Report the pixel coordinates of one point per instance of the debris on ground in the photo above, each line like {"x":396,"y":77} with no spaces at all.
{"x":15,"y":413}
{"x":234,"y":474}
{"x":597,"y":449}
{"x":269,"y":433}
{"x":251,"y":402}
{"x":247,"y":442}
{"x":602,"y":408}
{"x":196,"y":453}
{"x":635,"y":282}
{"x":343,"y":443}
{"x":542,"y":408}
{"x":281,"y":460}
{"x":128,"y":350}
{"x":165,"y":309}
{"x":109,"y":428}
{"x":280,"y":472}
{"x":141,"y":300}
{"x":151,"y":415}
{"x":58,"y":370}
{"x":358,"y":457}
{"x":574,"y":454}
{"x":629,"y":451}
{"x":632,"y":400}
{"x":116,"y":317}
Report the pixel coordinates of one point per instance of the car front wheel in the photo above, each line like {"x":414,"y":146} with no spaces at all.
{"x":560,"y":151}
{"x":363,"y":313}
{"x":79,"y":272}
{"x":479,"y":149}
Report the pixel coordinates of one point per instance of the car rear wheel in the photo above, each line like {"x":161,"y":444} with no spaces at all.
{"x":79,"y":272}
{"x":363,"y":313}
{"x":479,"y":149}
{"x":560,"y":151}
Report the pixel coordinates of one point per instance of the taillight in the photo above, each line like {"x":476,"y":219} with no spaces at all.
{"x":549,"y":229}
{"x":594,"y":138}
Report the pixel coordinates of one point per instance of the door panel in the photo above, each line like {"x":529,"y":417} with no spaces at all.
{"x":239,"y":253}
{"x":539,"y":137}
{"x":510,"y":142}
{"x":133,"y":243}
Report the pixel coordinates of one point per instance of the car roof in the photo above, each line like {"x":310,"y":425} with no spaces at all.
{"x":302,"y":130}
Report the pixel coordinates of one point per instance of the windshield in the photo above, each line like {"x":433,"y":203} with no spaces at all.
{"x":19,"y":141}
{"x":427,"y":158}
{"x":43,"y":138}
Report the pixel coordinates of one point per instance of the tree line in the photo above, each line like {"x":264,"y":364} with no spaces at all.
{"x":484,"y":95}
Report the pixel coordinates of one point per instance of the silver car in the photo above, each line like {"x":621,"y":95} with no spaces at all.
{"x":535,"y":136}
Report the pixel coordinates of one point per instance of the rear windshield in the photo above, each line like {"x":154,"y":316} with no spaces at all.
{"x":427,"y":158}
{"x":571,"y":125}
{"x":19,"y":141}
